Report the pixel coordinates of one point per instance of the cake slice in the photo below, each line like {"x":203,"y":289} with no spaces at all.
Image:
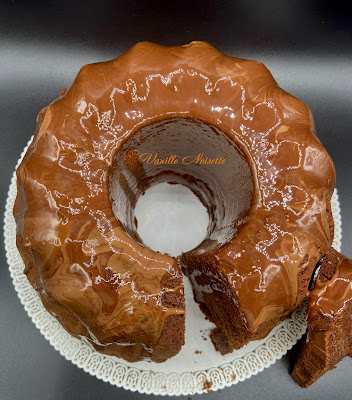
{"x":329,"y":318}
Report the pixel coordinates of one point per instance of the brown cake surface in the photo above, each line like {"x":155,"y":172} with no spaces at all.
{"x":329,"y":319}
{"x":269,"y":203}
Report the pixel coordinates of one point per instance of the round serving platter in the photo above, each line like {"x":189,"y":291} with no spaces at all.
{"x":197,"y":368}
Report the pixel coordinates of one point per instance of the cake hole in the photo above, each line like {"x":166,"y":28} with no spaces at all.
{"x":171,"y":219}
{"x":186,"y":152}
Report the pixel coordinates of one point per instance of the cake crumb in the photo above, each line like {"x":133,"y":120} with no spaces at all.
{"x":163,"y":387}
{"x":198,"y":352}
{"x":207,"y":385}
{"x":233,"y":377}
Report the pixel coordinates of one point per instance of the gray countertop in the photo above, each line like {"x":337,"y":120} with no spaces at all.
{"x":306,"y":45}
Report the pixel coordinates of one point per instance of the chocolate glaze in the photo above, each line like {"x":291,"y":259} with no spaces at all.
{"x":93,"y":267}
{"x":332,"y":297}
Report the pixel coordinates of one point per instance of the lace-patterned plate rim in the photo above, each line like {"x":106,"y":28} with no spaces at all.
{"x":125,"y":375}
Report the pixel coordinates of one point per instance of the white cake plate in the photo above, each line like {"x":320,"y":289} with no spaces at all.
{"x":196,"y":369}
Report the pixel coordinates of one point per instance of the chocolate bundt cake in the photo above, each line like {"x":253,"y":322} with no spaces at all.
{"x":329,"y":318}
{"x":269,"y":203}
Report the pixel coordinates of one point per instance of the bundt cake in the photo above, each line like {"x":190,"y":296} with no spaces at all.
{"x":268,"y":203}
{"x":329,"y":318}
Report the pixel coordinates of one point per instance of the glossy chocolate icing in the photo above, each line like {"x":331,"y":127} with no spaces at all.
{"x":332,"y":297}
{"x":72,"y":185}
